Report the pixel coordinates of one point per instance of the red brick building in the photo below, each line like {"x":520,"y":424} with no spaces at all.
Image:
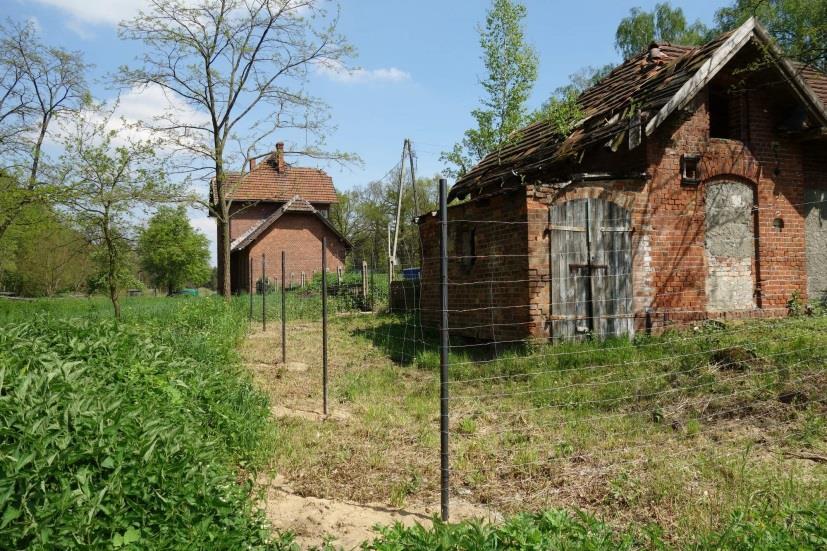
{"x":694,"y":187}
{"x":279,"y":207}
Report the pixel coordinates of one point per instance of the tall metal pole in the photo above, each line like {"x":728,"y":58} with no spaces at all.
{"x":263,"y":295}
{"x":443,"y":348}
{"x":324,"y":325}
{"x":283,"y":312}
{"x":251,"y":288}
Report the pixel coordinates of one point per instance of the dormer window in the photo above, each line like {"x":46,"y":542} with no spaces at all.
{"x":723,"y":114}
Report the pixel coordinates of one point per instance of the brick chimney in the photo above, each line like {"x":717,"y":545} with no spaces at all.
{"x":252,"y":163}
{"x":280,"y":156}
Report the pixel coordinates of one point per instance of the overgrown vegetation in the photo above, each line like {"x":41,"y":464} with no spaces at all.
{"x":144,"y":432}
{"x":763,"y":528}
{"x":675,"y":434}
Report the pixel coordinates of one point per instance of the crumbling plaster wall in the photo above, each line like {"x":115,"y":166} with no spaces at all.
{"x":729,"y":245}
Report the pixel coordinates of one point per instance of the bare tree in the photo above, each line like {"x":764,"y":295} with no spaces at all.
{"x":38,"y":85}
{"x":242,"y":66}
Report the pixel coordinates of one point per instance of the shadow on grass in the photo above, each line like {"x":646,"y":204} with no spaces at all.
{"x":405,"y":341}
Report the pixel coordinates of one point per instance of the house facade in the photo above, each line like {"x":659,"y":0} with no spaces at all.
{"x":277,"y":207}
{"x":693,"y":188}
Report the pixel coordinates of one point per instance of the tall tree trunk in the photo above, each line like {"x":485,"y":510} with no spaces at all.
{"x":224,"y":244}
{"x":112,"y":265}
{"x":222,"y":220}
{"x":116,"y":303}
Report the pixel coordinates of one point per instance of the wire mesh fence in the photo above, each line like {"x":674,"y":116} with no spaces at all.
{"x":560,"y":387}
{"x":591,"y":361}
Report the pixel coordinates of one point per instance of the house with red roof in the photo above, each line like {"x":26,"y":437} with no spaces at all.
{"x":278,"y":207}
{"x":693,"y":187}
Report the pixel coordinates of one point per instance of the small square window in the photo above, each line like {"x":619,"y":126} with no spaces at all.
{"x":690,"y":170}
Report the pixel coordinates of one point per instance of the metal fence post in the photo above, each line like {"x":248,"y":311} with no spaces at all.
{"x":364,"y":279}
{"x":283,"y":312}
{"x":373,"y":284}
{"x":324,"y":325}
{"x":250,"y":290}
{"x":443,"y":348}
{"x":263,"y":295}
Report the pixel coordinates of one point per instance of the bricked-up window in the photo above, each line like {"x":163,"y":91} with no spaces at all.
{"x":468,"y":246}
{"x":720,"y":115}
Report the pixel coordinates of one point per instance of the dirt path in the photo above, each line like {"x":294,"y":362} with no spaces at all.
{"x":315,"y":511}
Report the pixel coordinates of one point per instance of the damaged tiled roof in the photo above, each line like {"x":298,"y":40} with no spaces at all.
{"x":814,"y":79}
{"x":266,"y":183}
{"x":294,"y":204}
{"x":637,"y":90}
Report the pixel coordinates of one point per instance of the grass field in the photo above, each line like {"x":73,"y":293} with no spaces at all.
{"x":147,"y":434}
{"x":668,"y":435}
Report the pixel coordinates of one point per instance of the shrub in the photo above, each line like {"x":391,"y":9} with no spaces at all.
{"x":138,"y":435}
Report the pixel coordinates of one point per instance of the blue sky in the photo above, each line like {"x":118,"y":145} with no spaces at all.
{"x":420,"y":64}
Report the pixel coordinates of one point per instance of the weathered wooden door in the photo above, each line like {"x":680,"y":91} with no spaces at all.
{"x":590,"y":256}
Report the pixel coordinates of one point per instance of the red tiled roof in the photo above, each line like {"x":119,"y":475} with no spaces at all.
{"x":266,"y":183}
{"x":815,"y":79}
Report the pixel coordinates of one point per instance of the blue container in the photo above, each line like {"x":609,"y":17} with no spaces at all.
{"x":411,"y":274}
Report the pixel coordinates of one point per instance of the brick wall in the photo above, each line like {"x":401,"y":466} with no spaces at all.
{"x":670,"y":256}
{"x":243,"y":217}
{"x":770,"y":164}
{"x":488,"y":293}
{"x":300,"y":236}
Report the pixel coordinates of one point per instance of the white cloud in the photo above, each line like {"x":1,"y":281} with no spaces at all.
{"x":145,"y":105}
{"x":336,"y":70}
{"x":107,"y":12}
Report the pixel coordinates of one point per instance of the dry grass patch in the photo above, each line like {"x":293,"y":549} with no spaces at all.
{"x":677,"y":430}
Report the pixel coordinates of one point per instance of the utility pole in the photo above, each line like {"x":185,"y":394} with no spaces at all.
{"x":399,"y":199}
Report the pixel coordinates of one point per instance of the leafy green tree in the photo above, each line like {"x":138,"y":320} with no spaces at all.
{"x":51,"y":255}
{"x":364,"y":215}
{"x":172,"y":252}
{"x":108,"y":176}
{"x":663,"y":24}
{"x":511,"y":67}
{"x":798,"y":26}
{"x":344,"y":216}
{"x":39,"y":85}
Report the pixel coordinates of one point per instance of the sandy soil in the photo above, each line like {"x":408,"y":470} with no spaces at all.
{"x":348,"y":524}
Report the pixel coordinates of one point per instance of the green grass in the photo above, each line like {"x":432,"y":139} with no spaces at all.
{"x":305,"y":303}
{"x":756,"y":529}
{"x":143,"y":434}
{"x":149,"y":429}
{"x":678,"y":431}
